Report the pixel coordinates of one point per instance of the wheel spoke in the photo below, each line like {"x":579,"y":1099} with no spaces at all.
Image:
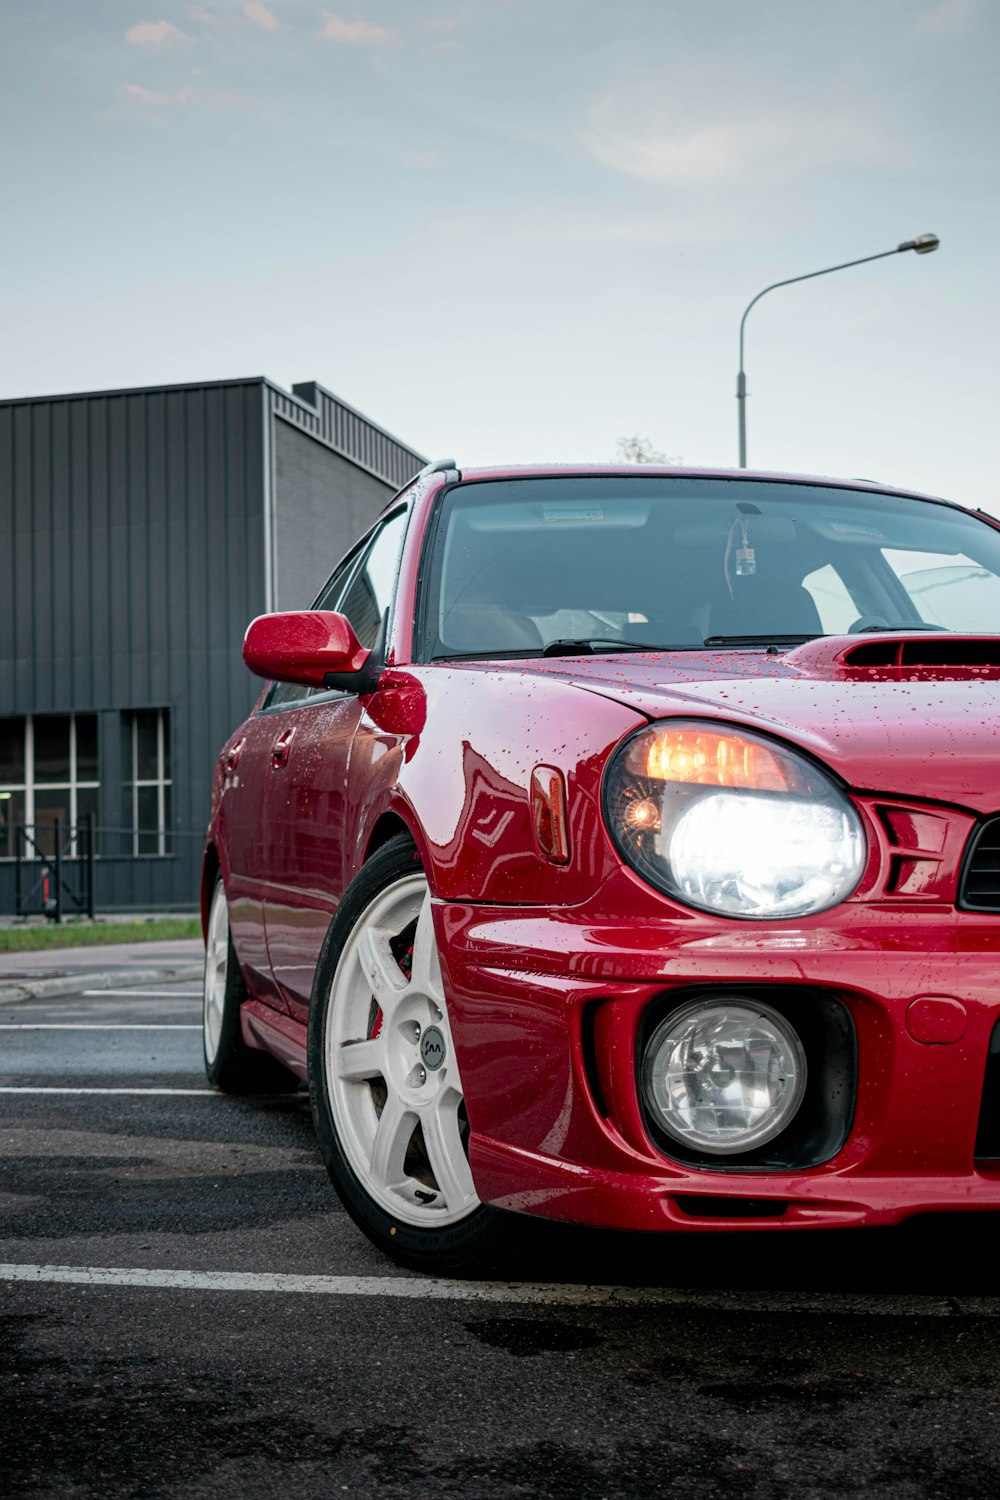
{"x":380,"y":969}
{"x":426,"y":972}
{"x":357,"y":1061}
{"x":218,"y":927}
{"x":443,"y":1141}
{"x":392,"y":1136}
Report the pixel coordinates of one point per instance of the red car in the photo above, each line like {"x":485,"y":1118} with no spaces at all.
{"x":623,"y":846}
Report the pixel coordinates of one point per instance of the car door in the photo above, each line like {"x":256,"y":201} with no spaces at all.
{"x":304,"y":801}
{"x":245,"y":769}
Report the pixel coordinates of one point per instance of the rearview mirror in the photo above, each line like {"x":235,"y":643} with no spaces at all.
{"x":308,"y":646}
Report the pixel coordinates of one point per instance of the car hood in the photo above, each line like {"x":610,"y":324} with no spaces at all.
{"x":926,"y":733}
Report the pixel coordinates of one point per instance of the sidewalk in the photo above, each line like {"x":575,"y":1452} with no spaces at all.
{"x":66,"y":971}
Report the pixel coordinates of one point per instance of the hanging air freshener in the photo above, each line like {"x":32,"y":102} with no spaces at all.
{"x":746,"y":557}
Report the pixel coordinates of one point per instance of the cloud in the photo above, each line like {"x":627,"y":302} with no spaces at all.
{"x":260,"y":16}
{"x":150,"y":97}
{"x":681,"y":138}
{"x":155,"y":34}
{"x":355,"y":33}
{"x":197,"y":98}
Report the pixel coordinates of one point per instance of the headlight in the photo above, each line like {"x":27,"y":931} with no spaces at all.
{"x":729,"y":822}
{"x":724,"y":1076}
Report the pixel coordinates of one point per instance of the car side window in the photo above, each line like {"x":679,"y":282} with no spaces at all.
{"x":948,"y":589}
{"x":370,"y":591}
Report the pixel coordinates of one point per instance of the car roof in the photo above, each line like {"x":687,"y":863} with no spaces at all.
{"x":678,"y":471}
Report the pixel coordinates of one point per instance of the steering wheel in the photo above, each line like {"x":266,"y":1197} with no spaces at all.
{"x":876,"y":622}
{"x":868,"y":622}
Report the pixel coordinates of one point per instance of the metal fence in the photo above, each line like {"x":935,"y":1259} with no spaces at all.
{"x":58,"y":870}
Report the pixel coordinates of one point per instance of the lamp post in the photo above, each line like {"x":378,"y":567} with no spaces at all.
{"x":922,"y":245}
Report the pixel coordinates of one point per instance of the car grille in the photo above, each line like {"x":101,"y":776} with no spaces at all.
{"x":988,"y":1135}
{"x":979,"y":888}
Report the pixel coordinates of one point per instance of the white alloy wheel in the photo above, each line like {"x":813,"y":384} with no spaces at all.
{"x":392,"y":1078}
{"x":216,"y":973}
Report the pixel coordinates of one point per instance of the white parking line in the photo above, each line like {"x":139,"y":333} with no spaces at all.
{"x":417,"y":1288}
{"x":99,"y":1026}
{"x":32,"y":1089}
{"x":148,"y":994}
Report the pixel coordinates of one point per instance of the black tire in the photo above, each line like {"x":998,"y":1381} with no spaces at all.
{"x":230,"y":1065}
{"x":455,"y":1248}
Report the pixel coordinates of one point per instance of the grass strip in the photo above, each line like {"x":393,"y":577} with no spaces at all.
{"x":79,"y":933}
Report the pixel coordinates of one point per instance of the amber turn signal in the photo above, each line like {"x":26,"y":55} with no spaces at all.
{"x":642,"y":816}
{"x":703,"y":757}
{"x":548,"y":814}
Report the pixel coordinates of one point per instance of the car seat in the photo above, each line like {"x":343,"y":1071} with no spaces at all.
{"x":488,"y":627}
{"x":762,"y":606}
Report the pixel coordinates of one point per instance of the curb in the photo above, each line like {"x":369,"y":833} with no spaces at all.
{"x":72,"y":984}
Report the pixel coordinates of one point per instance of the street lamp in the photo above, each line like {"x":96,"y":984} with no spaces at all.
{"x":923,"y":245}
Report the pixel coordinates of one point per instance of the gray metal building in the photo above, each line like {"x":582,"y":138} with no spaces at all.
{"x":140,"y":531}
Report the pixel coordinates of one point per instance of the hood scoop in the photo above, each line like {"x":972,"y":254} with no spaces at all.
{"x":897,"y":655}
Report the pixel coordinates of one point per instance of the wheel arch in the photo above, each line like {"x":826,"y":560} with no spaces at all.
{"x":388,"y":825}
{"x":390,"y":822}
{"x":210,"y":867}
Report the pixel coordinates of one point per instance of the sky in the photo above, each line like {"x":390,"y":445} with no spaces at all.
{"x":521,"y":230}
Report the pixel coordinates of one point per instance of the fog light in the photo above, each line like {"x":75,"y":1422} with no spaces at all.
{"x":724,"y":1076}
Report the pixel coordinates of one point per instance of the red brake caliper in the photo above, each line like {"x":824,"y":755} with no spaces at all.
{"x":406,"y":965}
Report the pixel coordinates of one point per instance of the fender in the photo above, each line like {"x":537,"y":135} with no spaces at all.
{"x":449,"y":750}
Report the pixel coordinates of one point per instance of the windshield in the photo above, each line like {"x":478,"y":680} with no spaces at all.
{"x":518,"y":566}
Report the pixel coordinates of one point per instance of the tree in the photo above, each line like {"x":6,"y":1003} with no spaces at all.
{"x":639,"y":450}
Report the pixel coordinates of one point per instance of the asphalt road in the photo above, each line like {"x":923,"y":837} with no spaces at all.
{"x":230,"y":1333}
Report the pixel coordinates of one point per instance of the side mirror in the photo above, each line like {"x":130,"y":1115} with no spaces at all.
{"x":314,"y":647}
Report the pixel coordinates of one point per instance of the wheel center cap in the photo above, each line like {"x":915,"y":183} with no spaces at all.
{"x":432,"y":1048}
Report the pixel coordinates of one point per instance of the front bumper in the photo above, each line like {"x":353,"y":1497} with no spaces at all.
{"x":546,"y":1007}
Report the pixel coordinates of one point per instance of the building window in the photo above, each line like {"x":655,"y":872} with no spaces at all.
{"x":148,"y":781}
{"x":48,"y":773}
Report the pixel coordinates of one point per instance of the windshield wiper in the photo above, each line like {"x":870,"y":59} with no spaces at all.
{"x":581,"y":646}
{"x":771,"y":639}
{"x":567,"y":647}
